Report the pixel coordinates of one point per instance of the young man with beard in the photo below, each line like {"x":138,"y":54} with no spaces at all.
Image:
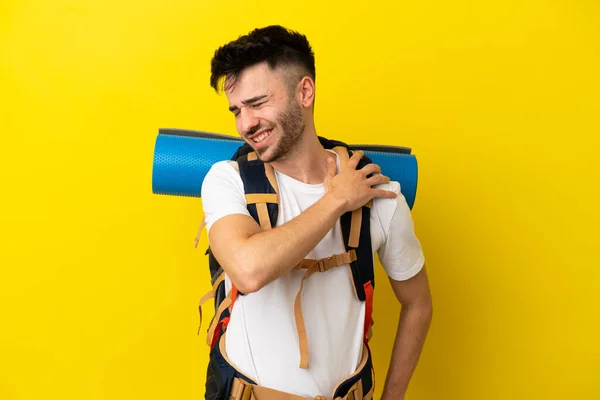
{"x":268,"y":77}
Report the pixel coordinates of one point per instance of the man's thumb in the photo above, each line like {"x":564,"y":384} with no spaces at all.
{"x":331,"y":167}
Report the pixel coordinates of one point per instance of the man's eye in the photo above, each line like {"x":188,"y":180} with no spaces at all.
{"x":258,"y":104}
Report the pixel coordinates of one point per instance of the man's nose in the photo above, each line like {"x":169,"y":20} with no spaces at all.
{"x":248,"y":121}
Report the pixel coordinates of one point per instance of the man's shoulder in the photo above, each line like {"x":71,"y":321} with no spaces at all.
{"x":221,"y":174}
{"x":381,"y":204}
{"x":223,"y":167}
{"x":226,"y":170}
{"x":222,"y":192}
{"x":384,"y":209}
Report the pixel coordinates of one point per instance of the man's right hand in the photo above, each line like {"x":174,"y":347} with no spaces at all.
{"x":354,"y":188}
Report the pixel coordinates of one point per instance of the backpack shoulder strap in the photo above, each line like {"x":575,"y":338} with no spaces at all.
{"x":260,"y":188}
{"x":356,"y":232}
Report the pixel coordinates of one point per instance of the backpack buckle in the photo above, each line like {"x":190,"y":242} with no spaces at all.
{"x":321,"y":264}
{"x":241,"y":389}
{"x":353,"y":256}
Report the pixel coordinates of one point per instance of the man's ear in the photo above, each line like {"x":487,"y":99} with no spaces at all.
{"x":306,"y":91}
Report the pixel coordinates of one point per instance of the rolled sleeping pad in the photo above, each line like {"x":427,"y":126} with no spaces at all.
{"x":182,"y":158}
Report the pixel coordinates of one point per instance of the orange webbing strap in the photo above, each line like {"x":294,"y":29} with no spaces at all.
{"x":210,"y":339}
{"x":209,"y":295}
{"x":261,"y":208}
{"x":355,"y":224}
{"x":329,"y":262}
{"x":255,"y":198}
{"x":234,"y":294}
{"x":355,"y":392}
{"x":197,"y":238}
{"x":261,"y":200}
{"x":219,"y":323}
{"x":356,"y":221}
{"x":263,"y":216}
{"x":322,"y":265}
{"x":241,"y":390}
{"x":370,"y":331}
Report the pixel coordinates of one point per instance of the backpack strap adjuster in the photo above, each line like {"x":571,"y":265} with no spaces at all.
{"x":321,"y":265}
{"x":325,"y":264}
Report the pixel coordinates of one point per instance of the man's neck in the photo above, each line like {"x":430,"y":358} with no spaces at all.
{"x":307,"y":162}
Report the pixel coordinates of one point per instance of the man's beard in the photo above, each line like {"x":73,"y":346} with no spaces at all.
{"x":292,"y":127}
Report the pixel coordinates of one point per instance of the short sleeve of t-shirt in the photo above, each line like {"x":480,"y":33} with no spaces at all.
{"x":400,"y":252}
{"x":222,"y":193}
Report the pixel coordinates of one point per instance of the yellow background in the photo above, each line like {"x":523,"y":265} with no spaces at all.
{"x":498,"y":99}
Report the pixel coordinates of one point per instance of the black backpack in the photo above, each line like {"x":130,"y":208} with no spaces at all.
{"x":261,"y":190}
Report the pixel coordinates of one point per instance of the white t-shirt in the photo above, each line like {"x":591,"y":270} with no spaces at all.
{"x":262,"y":340}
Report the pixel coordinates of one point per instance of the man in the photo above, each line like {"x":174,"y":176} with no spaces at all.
{"x":268,"y":77}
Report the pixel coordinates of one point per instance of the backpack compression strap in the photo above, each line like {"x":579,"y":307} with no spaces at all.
{"x":208,"y":296}
{"x":312,"y":266}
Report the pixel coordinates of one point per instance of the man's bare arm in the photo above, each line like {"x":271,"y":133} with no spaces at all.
{"x":415,"y":318}
{"x":253,"y":258}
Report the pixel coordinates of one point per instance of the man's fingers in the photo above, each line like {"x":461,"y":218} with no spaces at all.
{"x":356,"y":157}
{"x":371,"y":169}
{"x":378,"y":180}
{"x":384,"y":193}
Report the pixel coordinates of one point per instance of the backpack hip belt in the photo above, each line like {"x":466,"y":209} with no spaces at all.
{"x":359,"y":386}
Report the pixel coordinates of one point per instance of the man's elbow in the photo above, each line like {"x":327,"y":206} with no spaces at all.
{"x":423,"y":307}
{"x":246,"y":276}
{"x":247,"y":285}
{"x":428,"y":309}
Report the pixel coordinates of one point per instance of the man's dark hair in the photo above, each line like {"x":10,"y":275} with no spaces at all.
{"x":275,"y":45}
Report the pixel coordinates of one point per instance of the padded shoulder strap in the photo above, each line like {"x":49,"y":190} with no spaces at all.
{"x":260,"y":187}
{"x":330,"y":143}
{"x":243,"y":150}
{"x":356,"y":232}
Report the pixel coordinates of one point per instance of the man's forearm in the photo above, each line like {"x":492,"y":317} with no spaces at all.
{"x":410,"y":337}
{"x":276,"y":251}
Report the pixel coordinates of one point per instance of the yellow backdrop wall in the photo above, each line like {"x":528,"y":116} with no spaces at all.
{"x":498,"y":99}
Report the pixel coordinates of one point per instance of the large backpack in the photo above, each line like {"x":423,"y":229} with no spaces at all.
{"x":261,"y":192}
